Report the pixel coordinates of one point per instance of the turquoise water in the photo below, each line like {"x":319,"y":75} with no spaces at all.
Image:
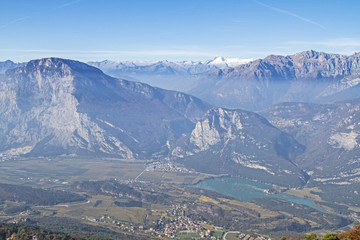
{"x":246,"y":190}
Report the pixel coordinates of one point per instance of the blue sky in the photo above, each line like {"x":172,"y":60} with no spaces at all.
{"x":175,"y":29}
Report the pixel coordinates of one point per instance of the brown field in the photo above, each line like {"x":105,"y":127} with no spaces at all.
{"x":305,"y":193}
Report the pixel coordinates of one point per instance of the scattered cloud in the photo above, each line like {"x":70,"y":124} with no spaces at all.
{"x":344,"y":46}
{"x":172,"y":54}
{"x":115,"y":52}
{"x":13,"y":21}
{"x":338,"y":42}
{"x":290,"y":14}
{"x":27,"y":17}
{"x":87,"y":55}
{"x":68,"y":4}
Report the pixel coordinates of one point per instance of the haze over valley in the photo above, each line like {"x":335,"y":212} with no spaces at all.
{"x":63,"y":110}
{"x":180,"y":120}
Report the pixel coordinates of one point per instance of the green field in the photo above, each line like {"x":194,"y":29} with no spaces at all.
{"x":156,"y":192}
{"x":61,"y":171}
{"x":187,"y":235}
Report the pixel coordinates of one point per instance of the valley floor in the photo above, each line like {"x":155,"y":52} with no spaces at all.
{"x":154,"y":199}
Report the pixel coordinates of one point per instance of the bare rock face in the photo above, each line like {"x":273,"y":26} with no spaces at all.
{"x":55,"y":106}
{"x":243,"y":144}
{"x":304,"y":77}
{"x":330,"y":133}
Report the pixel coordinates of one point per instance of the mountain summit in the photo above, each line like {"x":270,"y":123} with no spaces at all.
{"x":178,"y":76}
{"x":52,"y":107}
{"x":308,"y":76}
{"x":8,"y":65}
{"x":55,"y":106}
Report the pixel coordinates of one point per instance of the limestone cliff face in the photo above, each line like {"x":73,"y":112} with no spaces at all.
{"x":330,"y":133}
{"x":240,"y":143}
{"x":55,"y":106}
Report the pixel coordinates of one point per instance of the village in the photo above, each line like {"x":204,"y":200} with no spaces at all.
{"x":174,"y":224}
{"x":166,"y":167}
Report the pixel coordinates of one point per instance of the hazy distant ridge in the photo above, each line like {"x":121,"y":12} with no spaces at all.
{"x":53,"y":107}
{"x":179,"y":76}
{"x":308,"y":76}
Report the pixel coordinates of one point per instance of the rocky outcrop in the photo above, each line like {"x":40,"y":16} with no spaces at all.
{"x":55,"y":106}
{"x":304,"y":77}
{"x":330,"y":133}
{"x":243,"y":144}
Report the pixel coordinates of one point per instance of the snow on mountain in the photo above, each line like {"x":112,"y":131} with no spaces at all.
{"x":308,"y":76}
{"x":178,"y":76}
{"x":55,"y":106}
{"x":221,"y":62}
{"x":182,"y":67}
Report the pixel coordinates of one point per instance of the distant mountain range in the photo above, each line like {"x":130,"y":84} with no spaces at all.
{"x":303,"y":77}
{"x":310,"y":76}
{"x":167,"y":67}
{"x":179,"y":76}
{"x":52,"y":107}
{"x":8,"y":65}
{"x":55,"y":107}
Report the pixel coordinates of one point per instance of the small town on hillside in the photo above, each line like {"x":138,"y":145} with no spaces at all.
{"x":174,"y":224}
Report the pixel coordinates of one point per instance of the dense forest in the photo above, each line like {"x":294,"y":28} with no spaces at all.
{"x":29,"y":232}
{"x":36,"y":196}
{"x":352,"y":234}
{"x":24,"y":232}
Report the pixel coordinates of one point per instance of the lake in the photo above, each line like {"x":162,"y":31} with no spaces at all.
{"x":246,"y":190}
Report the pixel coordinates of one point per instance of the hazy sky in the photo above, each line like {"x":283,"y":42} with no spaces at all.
{"x":175,"y":29}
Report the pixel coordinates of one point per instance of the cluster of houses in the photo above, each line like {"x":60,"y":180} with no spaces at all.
{"x":243,"y":236}
{"x":172,"y":223}
{"x":174,"y":220}
{"x":166,"y":167}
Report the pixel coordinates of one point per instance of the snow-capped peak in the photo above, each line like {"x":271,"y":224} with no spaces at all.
{"x":222,"y":62}
{"x":216,"y":63}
